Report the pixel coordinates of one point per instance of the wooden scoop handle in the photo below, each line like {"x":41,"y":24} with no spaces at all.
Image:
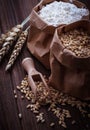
{"x":29,"y":66}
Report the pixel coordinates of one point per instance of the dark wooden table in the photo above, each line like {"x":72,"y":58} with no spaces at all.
{"x":13,"y":12}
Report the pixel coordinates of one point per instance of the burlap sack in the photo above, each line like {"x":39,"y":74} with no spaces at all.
{"x":41,"y":34}
{"x":69,"y":73}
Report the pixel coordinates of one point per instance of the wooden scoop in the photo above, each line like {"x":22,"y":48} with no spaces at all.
{"x":33,"y":75}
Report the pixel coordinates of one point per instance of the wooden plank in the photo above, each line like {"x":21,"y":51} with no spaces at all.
{"x":7,"y":103}
{"x":11,"y":13}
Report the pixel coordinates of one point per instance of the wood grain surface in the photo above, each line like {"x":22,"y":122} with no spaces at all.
{"x":13,"y":12}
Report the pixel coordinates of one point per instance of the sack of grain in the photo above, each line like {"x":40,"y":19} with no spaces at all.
{"x":45,"y":18}
{"x":70,"y":59}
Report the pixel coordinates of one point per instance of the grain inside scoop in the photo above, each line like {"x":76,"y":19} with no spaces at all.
{"x":36,"y":80}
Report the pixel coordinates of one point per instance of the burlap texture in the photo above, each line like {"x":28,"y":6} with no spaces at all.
{"x":41,"y":34}
{"x":69,"y":73}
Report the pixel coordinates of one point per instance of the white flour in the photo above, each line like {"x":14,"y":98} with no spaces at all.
{"x":57,"y":13}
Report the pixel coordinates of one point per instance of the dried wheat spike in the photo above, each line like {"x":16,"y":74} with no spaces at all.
{"x":17,"y":49}
{"x":13,"y":35}
{"x":2,"y":38}
{"x":7,"y":34}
